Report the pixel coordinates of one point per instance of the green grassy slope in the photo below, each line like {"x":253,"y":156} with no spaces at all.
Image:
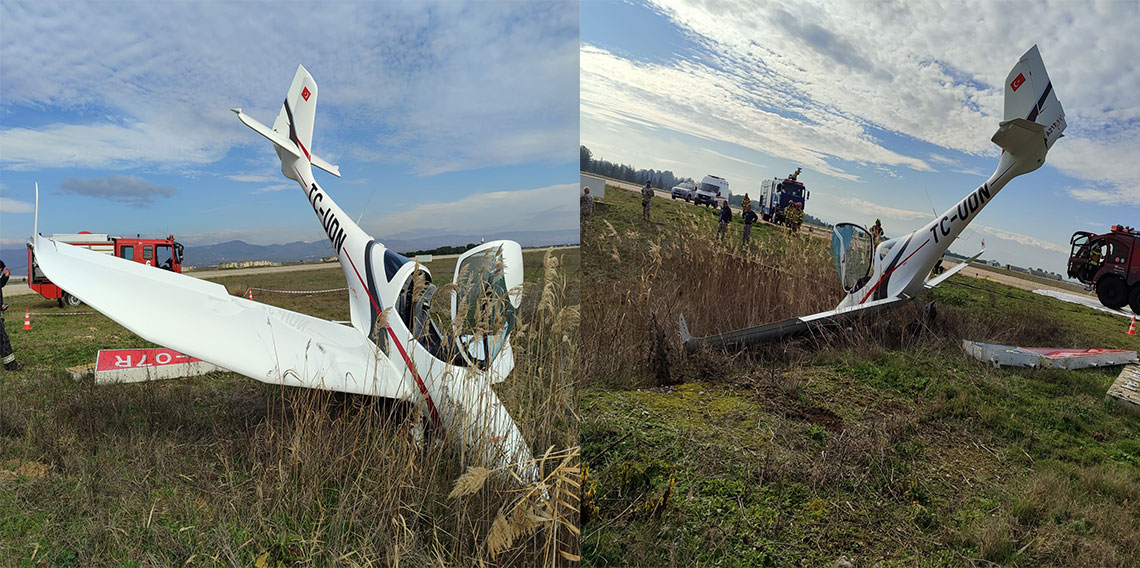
{"x":223,"y":470}
{"x":881,"y":443}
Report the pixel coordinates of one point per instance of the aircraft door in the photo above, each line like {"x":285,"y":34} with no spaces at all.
{"x":488,"y":281}
{"x":851,"y":252}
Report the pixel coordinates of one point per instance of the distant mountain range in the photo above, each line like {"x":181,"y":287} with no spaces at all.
{"x":235,"y":251}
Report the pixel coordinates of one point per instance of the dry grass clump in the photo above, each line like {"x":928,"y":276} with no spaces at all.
{"x":222,"y":470}
{"x":631,"y":319}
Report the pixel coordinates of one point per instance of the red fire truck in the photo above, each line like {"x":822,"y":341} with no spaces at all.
{"x":162,"y":253}
{"x":1111,"y":263}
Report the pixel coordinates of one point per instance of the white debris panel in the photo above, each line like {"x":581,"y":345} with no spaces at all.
{"x":1046,"y":357}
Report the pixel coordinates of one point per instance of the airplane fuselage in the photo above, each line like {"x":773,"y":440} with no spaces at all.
{"x":904,"y":268}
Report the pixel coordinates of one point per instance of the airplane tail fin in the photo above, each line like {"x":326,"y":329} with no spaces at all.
{"x":295,"y":121}
{"x":1033,"y":118}
{"x":292,"y":132}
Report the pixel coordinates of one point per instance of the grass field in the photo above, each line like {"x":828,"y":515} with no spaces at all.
{"x":882,"y":443}
{"x":223,"y":470}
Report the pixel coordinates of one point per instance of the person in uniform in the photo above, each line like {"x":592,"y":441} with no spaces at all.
{"x":877,"y":232}
{"x":725,"y":219}
{"x":7,"y":356}
{"x":749,"y":217}
{"x":587,"y":205}
{"x":646,"y":196}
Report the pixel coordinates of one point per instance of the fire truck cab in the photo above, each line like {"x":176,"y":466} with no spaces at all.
{"x":162,"y":253}
{"x":1110,"y":263}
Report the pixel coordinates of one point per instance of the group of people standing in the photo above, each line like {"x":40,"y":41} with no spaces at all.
{"x":793,"y":213}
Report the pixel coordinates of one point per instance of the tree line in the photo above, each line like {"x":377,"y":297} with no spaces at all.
{"x":440,"y":251}
{"x":663,"y":179}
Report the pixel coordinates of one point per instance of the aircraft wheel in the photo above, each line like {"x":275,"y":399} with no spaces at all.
{"x":1134,"y":303}
{"x":71,"y":300}
{"x":1112,"y":292}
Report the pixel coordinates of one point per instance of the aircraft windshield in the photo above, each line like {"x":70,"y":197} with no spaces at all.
{"x":885,"y":247}
{"x":851,"y":254}
{"x":484,"y":313}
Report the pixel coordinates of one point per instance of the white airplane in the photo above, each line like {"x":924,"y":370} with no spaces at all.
{"x":894,"y":271}
{"x":393,"y":348}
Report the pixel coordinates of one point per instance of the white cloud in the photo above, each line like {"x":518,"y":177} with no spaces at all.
{"x":810,"y":81}
{"x":277,"y":187}
{"x":717,"y":105}
{"x":252,"y":178}
{"x":1108,"y":167}
{"x":131,"y":190}
{"x":873,"y":209}
{"x":876,"y":210}
{"x":553,"y":208}
{"x":1021,"y":239}
{"x":9,"y":205}
{"x":436,"y":87}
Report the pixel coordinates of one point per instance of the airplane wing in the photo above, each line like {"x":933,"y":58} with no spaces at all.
{"x":952,"y":271}
{"x":201,"y":319}
{"x":785,"y":328}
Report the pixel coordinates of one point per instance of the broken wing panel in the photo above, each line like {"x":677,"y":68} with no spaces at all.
{"x":201,"y":319}
{"x":790,"y":327}
{"x":952,"y":271}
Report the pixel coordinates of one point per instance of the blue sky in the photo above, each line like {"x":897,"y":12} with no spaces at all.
{"x":889,"y":108}
{"x":445,"y":118}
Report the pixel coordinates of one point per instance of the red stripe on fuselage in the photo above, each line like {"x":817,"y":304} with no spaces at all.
{"x":407,"y":360}
{"x":897,"y":266}
{"x":302,"y":147}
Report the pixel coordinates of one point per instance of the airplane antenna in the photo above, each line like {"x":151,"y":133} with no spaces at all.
{"x":929,"y":200}
{"x":365,"y":206}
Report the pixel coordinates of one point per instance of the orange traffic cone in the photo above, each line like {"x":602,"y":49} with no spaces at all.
{"x":27,"y":319}
{"x":250,"y":293}
{"x":1131,"y":327}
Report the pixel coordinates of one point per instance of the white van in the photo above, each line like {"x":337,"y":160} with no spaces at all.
{"x":712,"y":191}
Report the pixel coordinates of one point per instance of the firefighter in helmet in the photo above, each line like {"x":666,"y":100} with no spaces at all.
{"x":7,"y":356}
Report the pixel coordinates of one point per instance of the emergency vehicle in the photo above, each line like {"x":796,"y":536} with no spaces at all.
{"x":1110,"y":263}
{"x":776,"y":194}
{"x":713,"y":190}
{"x":162,"y":253}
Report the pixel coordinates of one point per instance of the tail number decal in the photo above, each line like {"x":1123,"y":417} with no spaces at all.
{"x":966,"y":208}
{"x":329,"y":221}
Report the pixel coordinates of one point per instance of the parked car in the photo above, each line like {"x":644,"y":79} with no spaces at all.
{"x":684,"y":191}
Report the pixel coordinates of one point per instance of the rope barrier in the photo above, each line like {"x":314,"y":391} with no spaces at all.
{"x":301,"y":291}
{"x":61,"y":313}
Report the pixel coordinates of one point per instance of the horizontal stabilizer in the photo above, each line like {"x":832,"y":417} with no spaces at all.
{"x":952,"y":271}
{"x":284,"y":143}
{"x":322,"y":164}
{"x":278,"y":140}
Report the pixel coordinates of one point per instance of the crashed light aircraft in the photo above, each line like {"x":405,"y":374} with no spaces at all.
{"x":887,"y":275}
{"x":393,"y":348}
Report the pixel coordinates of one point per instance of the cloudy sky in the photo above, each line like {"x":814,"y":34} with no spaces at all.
{"x":888,"y":107}
{"x":443,"y":117}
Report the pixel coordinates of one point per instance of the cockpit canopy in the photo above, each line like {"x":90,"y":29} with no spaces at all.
{"x":851,"y":253}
